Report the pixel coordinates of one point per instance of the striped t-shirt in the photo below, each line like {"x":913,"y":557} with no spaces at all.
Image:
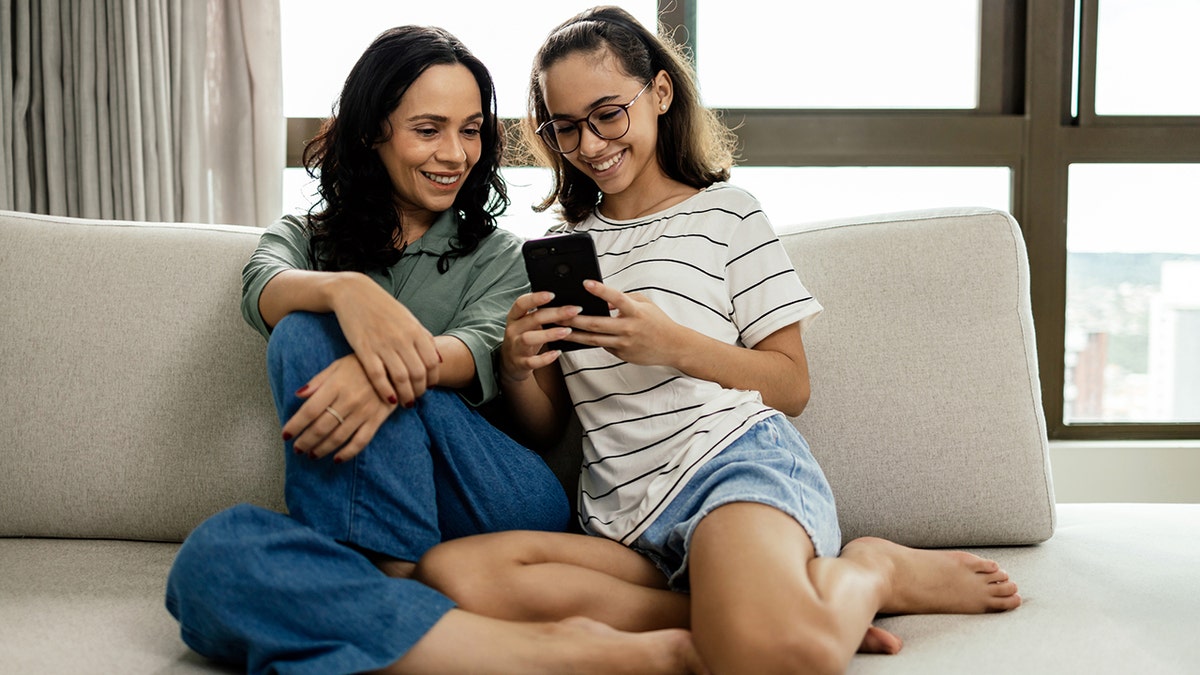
{"x":713,"y":263}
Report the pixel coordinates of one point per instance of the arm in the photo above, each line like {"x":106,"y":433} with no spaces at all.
{"x":642,"y":333}
{"x":530,"y":378}
{"x":398,"y":354}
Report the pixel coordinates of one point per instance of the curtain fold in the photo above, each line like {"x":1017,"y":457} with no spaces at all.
{"x":154,"y":110}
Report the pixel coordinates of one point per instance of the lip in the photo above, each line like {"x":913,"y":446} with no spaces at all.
{"x":618,"y":158}
{"x":432,"y":176}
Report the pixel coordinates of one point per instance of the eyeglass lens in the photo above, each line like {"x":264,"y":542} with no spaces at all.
{"x":609,"y":122}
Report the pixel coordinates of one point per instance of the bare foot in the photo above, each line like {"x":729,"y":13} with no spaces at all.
{"x":660,"y":651}
{"x":880,"y":641}
{"x":935,"y":582}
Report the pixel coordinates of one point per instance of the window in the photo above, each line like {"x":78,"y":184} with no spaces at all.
{"x":1132,"y":351}
{"x":1075,"y":116}
{"x":821,"y":54}
{"x":1146,"y":53}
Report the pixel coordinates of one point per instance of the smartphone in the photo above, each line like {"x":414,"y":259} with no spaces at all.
{"x":560,"y":264}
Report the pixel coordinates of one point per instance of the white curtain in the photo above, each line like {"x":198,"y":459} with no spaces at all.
{"x":160,"y":110}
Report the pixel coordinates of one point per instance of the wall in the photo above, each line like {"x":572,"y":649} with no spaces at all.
{"x":1126,"y":471}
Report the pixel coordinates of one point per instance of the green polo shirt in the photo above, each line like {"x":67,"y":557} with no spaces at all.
{"x":468,"y":302}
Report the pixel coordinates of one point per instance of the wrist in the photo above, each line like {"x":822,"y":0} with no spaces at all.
{"x":342,"y":286}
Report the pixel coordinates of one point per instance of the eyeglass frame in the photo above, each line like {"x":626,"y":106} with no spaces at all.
{"x":548,"y":125}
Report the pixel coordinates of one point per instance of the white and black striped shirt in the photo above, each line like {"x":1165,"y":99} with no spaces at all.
{"x":713,"y":263}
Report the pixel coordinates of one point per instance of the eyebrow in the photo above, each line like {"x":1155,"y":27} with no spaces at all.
{"x":440,"y":118}
{"x":591,"y":106}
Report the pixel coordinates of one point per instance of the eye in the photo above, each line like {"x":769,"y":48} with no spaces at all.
{"x":471,"y":132}
{"x":426,"y":132}
{"x":564,"y":129}
{"x":607,"y":114}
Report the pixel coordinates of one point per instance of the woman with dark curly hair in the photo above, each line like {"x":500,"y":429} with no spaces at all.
{"x":382,"y":308}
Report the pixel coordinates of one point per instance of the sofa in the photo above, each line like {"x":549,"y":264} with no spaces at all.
{"x":134,"y":404}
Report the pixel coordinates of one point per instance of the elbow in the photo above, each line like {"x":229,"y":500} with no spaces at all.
{"x":794,"y":401}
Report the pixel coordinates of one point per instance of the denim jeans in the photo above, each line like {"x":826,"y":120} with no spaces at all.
{"x":292,"y":593}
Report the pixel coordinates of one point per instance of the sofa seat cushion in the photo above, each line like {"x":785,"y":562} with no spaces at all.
{"x":1114,"y":591}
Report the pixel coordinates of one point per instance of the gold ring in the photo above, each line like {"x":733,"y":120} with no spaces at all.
{"x":329,"y":409}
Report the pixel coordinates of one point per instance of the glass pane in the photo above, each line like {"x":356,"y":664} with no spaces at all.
{"x":1148,"y":58}
{"x":823,"y":54}
{"x":1133,"y":294}
{"x":318,"y":52}
{"x":795,"y":195}
{"x":527,"y":186}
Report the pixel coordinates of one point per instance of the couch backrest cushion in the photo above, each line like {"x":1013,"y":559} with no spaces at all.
{"x":926,"y":408}
{"x":134,"y":400}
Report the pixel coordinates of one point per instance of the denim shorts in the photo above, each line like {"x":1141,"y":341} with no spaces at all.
{"x":770,"y":464}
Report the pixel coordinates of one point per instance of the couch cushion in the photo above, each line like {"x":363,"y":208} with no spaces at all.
{"x":926,"y":409}
{"x":134,"y":401}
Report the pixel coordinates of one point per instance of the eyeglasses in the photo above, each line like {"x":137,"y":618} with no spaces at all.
{"x":609,"y":122}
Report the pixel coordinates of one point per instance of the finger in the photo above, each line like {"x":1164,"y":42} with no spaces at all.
{"x":336,"y":437}
{"x":528,"y":302}
{"x":377,"y":373}
{"x":358,"y":441}
{"x":315,"y":434}
{"x":397,"y":370}
{"x":305,"y":415}
{"x":535,"y":340}
{"x":415,"y":371}
{"x":542,"y":360}
{"x":556,"y":314}
{"x":616,"y":299}
{"x":431,"y":359}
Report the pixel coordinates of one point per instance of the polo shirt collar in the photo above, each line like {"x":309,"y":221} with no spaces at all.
{"x":437,"y":240}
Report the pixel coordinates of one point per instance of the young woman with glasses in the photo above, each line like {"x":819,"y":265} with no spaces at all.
{"x":689,"y":460}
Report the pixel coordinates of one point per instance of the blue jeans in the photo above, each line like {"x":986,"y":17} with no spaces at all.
{"x":293,"y":593}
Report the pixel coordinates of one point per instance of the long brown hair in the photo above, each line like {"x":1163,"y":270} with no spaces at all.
{"x":356,"y":225}
{"x":694,"y":146}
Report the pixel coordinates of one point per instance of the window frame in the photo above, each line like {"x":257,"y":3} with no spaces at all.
{"x":1023,"y":121}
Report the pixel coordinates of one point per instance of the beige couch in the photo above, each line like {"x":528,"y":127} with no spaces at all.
{"x":134,"y":404}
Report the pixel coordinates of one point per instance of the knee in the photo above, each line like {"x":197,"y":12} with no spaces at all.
{"x":454,"y":569}
{"x":299,"y":333}
{"x":212,"y":546}
{"x":481,"y":574}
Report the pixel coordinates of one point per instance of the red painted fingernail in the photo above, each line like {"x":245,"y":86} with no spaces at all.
{"x":392,"y":399}
{"x":337,"y":460}
{"x":301,"y":390}
{"x":409,"y":404}
{"x":287,"y":435}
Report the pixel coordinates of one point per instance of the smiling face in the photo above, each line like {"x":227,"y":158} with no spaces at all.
{"x":625,"y":169}
{"x":434,"y":142}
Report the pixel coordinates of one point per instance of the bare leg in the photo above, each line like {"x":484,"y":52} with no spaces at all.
{"x":768,"y":608}
{"x":507,"y":575}
{"x":467,"y":643}
{"x":547,"y":576}
{"x":773,"y":607}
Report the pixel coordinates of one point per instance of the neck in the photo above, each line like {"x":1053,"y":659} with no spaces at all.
{"x":632,"y":203}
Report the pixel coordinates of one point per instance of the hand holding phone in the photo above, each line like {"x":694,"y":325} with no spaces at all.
{"x":560,"y":264}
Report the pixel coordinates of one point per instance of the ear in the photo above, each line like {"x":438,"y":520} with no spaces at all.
{"x":664,"y":91}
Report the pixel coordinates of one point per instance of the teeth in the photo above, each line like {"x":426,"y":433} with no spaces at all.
{"x":444,"y":180}
{"x":610,"y":163}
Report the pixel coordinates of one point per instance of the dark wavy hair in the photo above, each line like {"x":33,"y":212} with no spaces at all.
{"x":356,"y":225}
{"x":694,"y":146}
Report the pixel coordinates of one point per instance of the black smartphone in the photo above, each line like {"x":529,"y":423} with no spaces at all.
{"x":560,"y":264}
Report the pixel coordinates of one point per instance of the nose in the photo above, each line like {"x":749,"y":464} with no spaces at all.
{"x":451,"y":150}
{"x":590,"y":143}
